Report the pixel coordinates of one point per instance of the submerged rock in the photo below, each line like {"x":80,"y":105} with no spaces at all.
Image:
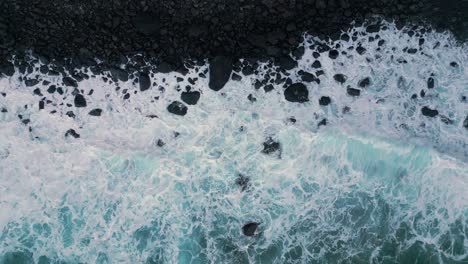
{"x":296,"y":93}
{"x":95,"y":112}
{"x":72,"y":133}
{"x":465,"y":122}
{"x":364,"y":82}
{"x":177,"y":108}
{"x":271,"y":146}
{"x":429,"y":112}
{"x":250,"y":228}
{"x":243,"y":182}
{"x":430,"y":83}
{"x":220,"y":71}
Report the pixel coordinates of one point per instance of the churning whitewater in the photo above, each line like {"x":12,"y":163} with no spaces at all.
{"x":371,"y":166}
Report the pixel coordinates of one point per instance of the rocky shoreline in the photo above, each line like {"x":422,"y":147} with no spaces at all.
{"x":73,"y":33}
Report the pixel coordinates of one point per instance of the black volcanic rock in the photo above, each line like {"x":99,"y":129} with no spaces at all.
{"x":177,"y":108}
{"x":324,"y":100}
{"x":297,"y":93}
{"x":220,"y":71}
{"x":179,"y":29}
{"x":68,"y":81}
{"x":250,"y":228}
{"x":353,"y":91}
{"x":144,"y":82}
{"x":271,"y":146}
{"x":80,"y":101}
{"x":7,"y":69}
{"x":429,"y":112}
{"x":72,"y":133}
{"x":95,"y":112}
{"x":341,"y":78}
{"x":190,"y":98}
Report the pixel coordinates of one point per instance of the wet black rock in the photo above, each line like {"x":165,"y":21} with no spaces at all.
{"x":68,"y":81}
{"x":243,"y":182}
{"x":177,"y":108}
{"x":247,"y":70}
{"x":268,"y":88}
{"x":51,"y":89}
{"x":251,"y":98}
{"x":95,"y":112}
{"x":465,"y":122}
{"x":220,"y":71}
{"x":147,"y":23}
{"x":333,"y":54}
{"x":160,"y":143}
{"x":364,"y":82}
{"x":323,"y":122}
{"x":72,"y":133}
{"x":287,"y":63}
{"x":190,"y":98}
{"x":144,"y":81}
{"x":80,"y":101}
{"x":271,"y":146}
{"x":6,"y":68}
{"x":236,"y":77}
{"x":341,"y":78}
{"x":360,"y":50}
{"x":316,"y":64}
{"x":119,"y":74}
{"x":309,"y":77}
{"x":353,"y":91}
{"x":70,"y":114}
{"x":31,"y":82}
{"x":373,"y":28}
{"x":297,"y":93}
{"x":446,"y":120}
{"x":454,"y":64}
{"x":430,"y":83}
{"x":41,"y":105}
{"x":429,"y":112}
{"x":165,"y":67}
{"x":37,"y":91}
{"x":324,"y":100}
{"x":250,"y":228}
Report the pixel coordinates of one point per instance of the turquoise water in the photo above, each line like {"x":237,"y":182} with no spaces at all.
{"x":362,"y":189}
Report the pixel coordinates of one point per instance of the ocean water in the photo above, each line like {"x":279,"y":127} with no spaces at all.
{"x":379,"y":183}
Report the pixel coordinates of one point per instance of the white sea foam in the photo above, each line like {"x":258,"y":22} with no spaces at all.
{"x":380,"y":182}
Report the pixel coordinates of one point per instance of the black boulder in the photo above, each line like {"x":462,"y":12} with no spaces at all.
{"x":80,"y":101}
{"x":429,"y":112}
{"x":144,"y":81}
{"x":250,"y":228}
{"x":296,"y":93}
{"x":220,"y":71}
{"x":95,"y":112}
{"x":177,"y":108}
{"x":190,"y":98}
